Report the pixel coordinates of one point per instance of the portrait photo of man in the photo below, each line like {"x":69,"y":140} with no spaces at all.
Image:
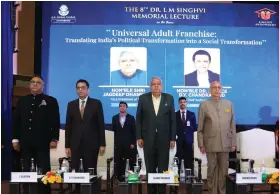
{"x":202,"y":67}
{"x":130,"y":68}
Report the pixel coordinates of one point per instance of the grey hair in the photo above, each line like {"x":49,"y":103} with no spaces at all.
{"x":156,"y":77}
{"x":214,"y":83}
{"x":126,"y":52}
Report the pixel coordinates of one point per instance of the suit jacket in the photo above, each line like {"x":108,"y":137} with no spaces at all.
{"x":90,"y":129}
{"x":216,"y":126}
{"x":191,"y":79}
{"x":147,"y":122}
{"x":139,"y":78}
{"x":126,"y":135}
{"x":186,"y":132}
{"x":37,"y":120}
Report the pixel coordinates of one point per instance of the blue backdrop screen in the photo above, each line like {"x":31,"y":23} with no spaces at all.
{"x":119,"y":46}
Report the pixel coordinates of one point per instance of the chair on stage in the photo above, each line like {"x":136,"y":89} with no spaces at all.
{"x":258,"y":145}
{"x":59,"y":152}
{"x":202,"y":161}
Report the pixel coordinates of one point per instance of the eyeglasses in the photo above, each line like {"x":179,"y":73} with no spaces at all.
{"x":82,"y":88}
{"x":216,"y":87}
{"x":35,"y":82}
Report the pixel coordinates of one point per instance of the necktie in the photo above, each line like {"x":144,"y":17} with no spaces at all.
{"x":183,"y":119}
{"x":82,"y":108}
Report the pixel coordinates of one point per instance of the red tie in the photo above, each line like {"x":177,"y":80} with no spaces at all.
{"x":183,"y":118}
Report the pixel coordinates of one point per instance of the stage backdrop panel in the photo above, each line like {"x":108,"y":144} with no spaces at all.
{"x":119,"y":46}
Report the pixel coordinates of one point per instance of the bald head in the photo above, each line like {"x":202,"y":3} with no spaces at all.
{"x":216,"y":89}
{"x":156,"y":86}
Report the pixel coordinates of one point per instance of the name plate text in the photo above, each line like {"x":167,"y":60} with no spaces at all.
{"x":24,"y":177}
{"x":160,"y":178}
{"x":76,"y":178}
{"x":248,"y":178}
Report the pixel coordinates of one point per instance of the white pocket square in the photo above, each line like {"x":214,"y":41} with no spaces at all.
{"x":43,"y":103}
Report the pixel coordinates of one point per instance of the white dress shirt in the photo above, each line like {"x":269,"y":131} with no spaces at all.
{"x":156,"y":103}
{"x":122,"y":119}
{"x":203,"y":80}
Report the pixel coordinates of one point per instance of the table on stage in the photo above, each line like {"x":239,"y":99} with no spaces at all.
{"x":94,"y":187}
{"x":242,"y":188}
{"x":194,"y":186}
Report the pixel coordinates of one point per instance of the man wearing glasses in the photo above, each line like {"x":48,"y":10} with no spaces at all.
{"x":216,"y":137}
{"x":36,"y":128}
{"x":85,"y":129}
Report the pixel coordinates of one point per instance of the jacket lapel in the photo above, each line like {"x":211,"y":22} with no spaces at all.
{"x":86,"y":108}
{"x":117,"y":120}
{"x":162,"y":104}
{"x":77,"y":108}
{"x":151,"y":104}
{"x":188,"y":116}
{"x":124,"y":121}
{"x":179,"y":116}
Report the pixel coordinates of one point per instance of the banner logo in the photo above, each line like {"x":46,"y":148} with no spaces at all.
{"x":63,"y":17}
{"x":63,"y":10}
{"x":265,"y":16}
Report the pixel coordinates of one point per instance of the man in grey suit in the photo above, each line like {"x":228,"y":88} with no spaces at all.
{"x":156,"y":129}
{"x":216,"y":137}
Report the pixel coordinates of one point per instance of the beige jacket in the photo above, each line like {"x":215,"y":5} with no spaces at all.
{"x":216,"y":126}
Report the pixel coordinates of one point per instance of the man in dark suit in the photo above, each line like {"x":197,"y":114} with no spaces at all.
{"x":36,"y":128}
{"x":84,"y":130}
{"x":124,"y":128}
{"x":185,"y":127}
{"x":202,"y":76}
{"x":156,"y":129}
